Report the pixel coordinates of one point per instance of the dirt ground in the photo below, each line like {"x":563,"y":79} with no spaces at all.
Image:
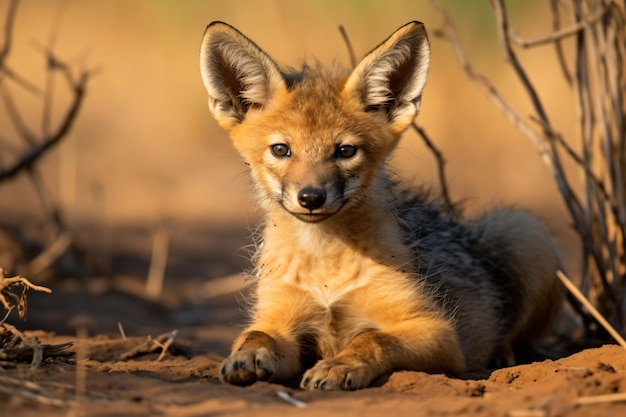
{"x":186,"y":384}
{"x":94,"y":379}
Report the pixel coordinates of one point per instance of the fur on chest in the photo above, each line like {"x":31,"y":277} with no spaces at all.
{"x":331,"y":268}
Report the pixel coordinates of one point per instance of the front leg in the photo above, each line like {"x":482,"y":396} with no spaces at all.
{"x":424,"y":344}
{"x":257,"y":356}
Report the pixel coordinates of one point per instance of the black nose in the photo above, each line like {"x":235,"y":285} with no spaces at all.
{"x":311,"y":198}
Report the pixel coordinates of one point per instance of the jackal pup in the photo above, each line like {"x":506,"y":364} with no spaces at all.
{"x":358,"y":276}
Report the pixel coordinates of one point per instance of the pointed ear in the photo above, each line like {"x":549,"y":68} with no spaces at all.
{"x":390,"y":79}
{"x":238,"y":75}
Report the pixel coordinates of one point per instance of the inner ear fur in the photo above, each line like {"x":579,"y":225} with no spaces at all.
{"x":390,"y":79}
{"x":238,"y":75}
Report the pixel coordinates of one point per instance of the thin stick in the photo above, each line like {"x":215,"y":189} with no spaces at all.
{"x":121,"y":329}
{"x":37,"y":353}
{"x":158,"y":263}
{"x":283,"y":395}
{"x":597,"y":399}
{"x":595,"y":313}
{"x":346,"y":39}
{"x":441,"y":163}
{"x":529,"y":412}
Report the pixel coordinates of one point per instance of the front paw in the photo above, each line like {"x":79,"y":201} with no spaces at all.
{"x":247,"y":366}
{"x":338,"y":374}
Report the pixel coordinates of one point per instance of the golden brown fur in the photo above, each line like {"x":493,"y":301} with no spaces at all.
{"x":358,"y":276}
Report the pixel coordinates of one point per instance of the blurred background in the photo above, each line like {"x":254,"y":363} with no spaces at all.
{"x":145,"y":159}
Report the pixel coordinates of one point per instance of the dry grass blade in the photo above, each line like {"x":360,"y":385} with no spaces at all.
{"x":594,"y":312}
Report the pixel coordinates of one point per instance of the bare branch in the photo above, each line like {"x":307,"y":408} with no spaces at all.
{"x":559,"y":34}
{"x":599,"y":82}
{"x":505,"y":42}
{"x":33,"y":155}
{"x":449,"y":31}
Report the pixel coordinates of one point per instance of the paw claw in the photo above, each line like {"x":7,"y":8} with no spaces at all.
{"x":247,"y":366}
{"x":338,"y":374}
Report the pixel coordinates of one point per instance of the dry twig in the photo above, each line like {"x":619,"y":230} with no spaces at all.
{"x":11,"y":300}
{"x":165,"y":342}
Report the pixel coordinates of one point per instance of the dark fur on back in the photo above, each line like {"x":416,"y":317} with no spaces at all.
{"x":452,"y":259}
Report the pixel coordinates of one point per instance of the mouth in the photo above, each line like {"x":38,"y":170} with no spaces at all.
{"x":311,"y":217}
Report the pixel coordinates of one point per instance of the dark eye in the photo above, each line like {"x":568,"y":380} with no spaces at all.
{"x":345,"y":151}
{"x":280,"y":150}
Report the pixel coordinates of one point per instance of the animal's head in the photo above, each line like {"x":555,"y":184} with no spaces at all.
{"x":315,"y":139}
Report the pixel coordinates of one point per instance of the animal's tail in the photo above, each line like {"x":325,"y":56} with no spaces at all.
{"x":524,"y":261}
